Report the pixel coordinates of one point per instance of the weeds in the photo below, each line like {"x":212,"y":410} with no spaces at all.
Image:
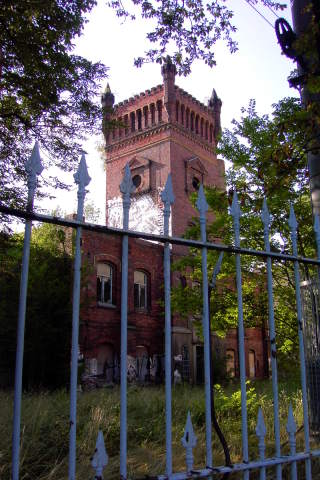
{"x":45,"y":428}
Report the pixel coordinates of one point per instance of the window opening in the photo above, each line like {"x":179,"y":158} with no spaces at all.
{"x":252,"y":364}
{"x":136,"y":181}
{"x":196,"y":183}
{"x":104,"y":283}
{"x":140,"y":290}
{"x":139,"y":117}
{"x":231,"y":363}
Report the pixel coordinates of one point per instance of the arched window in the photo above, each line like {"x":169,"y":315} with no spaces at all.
{"x":126,"y":123}
{"x":177,"y":111}
{"x":182,"y":114}
{"x":132,"y":121}
{"x":159,"y":108}
{"x":105,"y":274}
{"x":207,"y":129}
{"x":187,"y":117}
{"x":231,"y":363}
{"x":201,"y":127}
{"x":139,"y":118}
{"x":197,"y":124}
{"x":192,"y":121}
{"x":252,"y":364}
{"x":140,"y":281}
{"x":145,"y":115}
{"x":153,"y":114}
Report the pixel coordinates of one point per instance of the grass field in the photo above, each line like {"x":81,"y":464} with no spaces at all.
{"x":45,"y":425}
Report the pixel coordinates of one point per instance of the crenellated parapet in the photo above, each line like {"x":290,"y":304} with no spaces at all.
{"x":161,"y":108}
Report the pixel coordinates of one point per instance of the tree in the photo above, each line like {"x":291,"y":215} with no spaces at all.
{"x":191,"y":28}
{"x":268,"y":159}
{"x":48,"y":316}
{"x":46,"y":92}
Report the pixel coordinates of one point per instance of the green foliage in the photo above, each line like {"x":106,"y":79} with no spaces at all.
{"x":193,"y":28}
{"x":48,"y":316}
{"x":268,"y":160}
{"x":47,"y":93}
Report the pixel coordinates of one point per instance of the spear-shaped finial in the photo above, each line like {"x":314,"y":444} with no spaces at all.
{"x":201,"y":202}
{"x":167,"y":195}
{"x":100,"y":457}
{"x":189,"y":441}
{"x":293,"y":224}
{"x":33,"y":164}
{"x":261,"y":426}
{"x":291,"y":424}
{"x":34,"y":168}
{"x":81,"y":177}
{"x":126,"y":186}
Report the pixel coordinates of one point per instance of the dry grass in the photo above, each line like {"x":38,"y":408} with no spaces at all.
{"x":44,"y":452}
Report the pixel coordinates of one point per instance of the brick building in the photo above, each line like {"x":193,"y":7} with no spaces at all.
{"x":160,"y":131}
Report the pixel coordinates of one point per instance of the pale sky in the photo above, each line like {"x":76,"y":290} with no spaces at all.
{"x":258,"y":70}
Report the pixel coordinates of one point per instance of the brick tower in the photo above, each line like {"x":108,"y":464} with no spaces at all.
{"x":160,"y":131}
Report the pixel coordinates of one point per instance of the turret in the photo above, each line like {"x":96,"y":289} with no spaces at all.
{"x":169,"y":71}
{"x":107,"y":102}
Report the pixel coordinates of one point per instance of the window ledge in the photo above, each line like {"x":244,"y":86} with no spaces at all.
{"x":106,"y":305}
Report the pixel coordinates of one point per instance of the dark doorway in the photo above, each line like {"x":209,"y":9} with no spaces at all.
{"x":199,"y":364}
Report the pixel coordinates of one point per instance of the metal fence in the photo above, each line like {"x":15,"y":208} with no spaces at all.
{"x":100,"y":458}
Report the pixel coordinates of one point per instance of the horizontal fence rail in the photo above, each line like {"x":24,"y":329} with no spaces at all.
{"x":189,"y":440}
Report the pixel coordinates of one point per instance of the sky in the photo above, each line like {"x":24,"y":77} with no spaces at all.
{"x":257,"y":70}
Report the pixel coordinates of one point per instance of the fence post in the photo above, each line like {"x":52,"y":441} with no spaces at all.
{"x":293,"y":231}
{"x":34,"y":168}
{"x":202,"y":207}
{"x":167,"y":198}
{"x":82,"y":179}
{"x":265,"y":216}
{"x":235,"y":212}
{"x":126,"y":188}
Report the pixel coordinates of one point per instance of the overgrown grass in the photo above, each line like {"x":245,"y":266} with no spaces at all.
{"x":45,"y":428}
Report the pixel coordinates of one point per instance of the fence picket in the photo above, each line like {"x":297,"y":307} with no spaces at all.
{"x":272,"y":337}
{"x":82,"y":179}
{"x":167,"y":198}
{"x":33,"y":169}
{"x":202,"y":207}
{"x":126,"y":187}
{"x":235,"y":212}
{"x":293,"y":231}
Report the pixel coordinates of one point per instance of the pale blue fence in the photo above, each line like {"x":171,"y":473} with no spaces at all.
{"x":100,"y":458}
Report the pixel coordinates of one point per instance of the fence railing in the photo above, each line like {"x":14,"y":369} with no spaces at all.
{"x":100,"y":458}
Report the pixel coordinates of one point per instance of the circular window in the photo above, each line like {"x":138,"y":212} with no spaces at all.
{"x":196,"y":183}
{"x":136,"y":181}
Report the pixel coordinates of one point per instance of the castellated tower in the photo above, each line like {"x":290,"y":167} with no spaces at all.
{"x":162,"y":130}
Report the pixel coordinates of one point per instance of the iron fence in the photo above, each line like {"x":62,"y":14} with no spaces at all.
{"x":100,"y":458}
